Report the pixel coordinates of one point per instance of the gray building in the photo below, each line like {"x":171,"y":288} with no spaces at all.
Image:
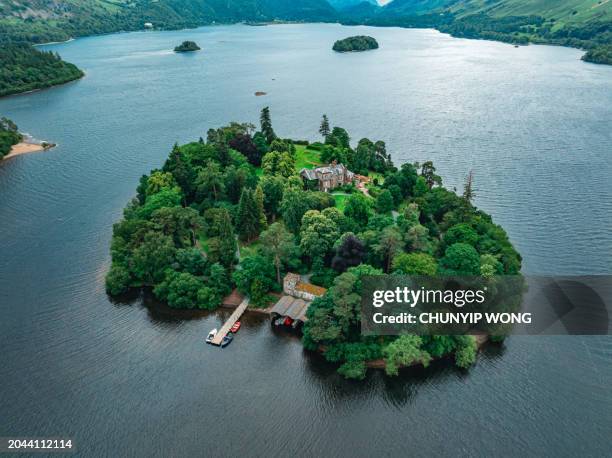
{"x":329,"y":177}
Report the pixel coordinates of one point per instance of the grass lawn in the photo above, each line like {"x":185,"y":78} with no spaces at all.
{"x":340,"y":199}
{"x":306,"y":158}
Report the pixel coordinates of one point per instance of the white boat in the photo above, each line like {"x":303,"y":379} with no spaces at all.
{"x":211,"y":335}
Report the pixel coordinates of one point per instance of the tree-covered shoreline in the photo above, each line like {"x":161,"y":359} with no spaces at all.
{"x":25,"y":68}
{"x":232,"y":211}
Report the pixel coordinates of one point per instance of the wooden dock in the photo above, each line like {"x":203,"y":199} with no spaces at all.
{"x":236,"y":314}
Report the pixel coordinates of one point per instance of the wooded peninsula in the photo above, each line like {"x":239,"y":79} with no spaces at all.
{"x":243,"y":207}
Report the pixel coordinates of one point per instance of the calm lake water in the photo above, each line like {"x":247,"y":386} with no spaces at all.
{"x":533,"y":123}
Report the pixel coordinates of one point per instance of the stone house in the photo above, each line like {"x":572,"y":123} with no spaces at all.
{"x":329,"y":177}
{"x":293,"y":286}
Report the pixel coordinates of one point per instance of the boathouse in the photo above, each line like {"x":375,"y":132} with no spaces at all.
{"x":291,"y":309}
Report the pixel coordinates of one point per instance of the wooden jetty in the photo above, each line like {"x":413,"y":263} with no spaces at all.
{"x":230,"y":322}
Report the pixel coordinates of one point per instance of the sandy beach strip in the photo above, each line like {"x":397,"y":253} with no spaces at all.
{"x":24,"y":148}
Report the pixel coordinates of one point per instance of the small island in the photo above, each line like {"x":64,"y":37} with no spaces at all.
{"x":187,"y":46}
{"x":356,"y":43}
{"x":249,"y":212}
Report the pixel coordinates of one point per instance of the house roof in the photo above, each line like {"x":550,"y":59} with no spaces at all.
{"x":334,"y":169}
{"x":309,"y":174}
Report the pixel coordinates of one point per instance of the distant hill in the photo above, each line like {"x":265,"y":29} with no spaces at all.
{"x":579,"y":23}
{"x":413,"y":7}
{"x":38,"y":21}
{"x":341,"y":5}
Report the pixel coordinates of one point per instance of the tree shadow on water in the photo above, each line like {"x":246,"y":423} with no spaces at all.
{"x":396,"y":391}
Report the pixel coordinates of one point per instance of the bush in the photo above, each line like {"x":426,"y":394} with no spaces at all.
{"x":117,"y":280}
{"x":353,"y":370}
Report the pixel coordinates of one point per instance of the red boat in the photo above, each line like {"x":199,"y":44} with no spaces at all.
{"x":235,"y":328}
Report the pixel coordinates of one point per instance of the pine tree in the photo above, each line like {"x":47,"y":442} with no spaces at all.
{"x":248,"y":219}
{"x":324,"y":129}
{"x":266,"y":125}
{"x":469,"y":191}
{"x":227,"y":239}
{"x":259,"y":199}
{"x":223,"y":153}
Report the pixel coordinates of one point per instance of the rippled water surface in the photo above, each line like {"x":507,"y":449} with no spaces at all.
{"x":533,"y":123}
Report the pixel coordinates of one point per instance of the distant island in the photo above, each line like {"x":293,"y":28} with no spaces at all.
{"x":356,"y":43}
{"x":187,"y":46}
{"x":243,"y":209}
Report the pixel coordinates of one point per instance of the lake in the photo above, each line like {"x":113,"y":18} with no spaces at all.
{"x":533,"y":123}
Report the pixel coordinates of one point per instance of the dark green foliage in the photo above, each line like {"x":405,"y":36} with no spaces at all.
{"x":249,"y":216}
{"x":9,"y":136}
{"x":356,"y":43}
{"x":350,"y":253}
{"x":358,"y":209}
{"x":460,"y":259}
{"x":384,"y":202}
{"x":273,"y":188}
{"x":187,"y":46}
{"x":599,"y":55}
{"x":23,"y":68}
{"x":255,"y":277}
{"x":338,"y":138}
{"x":324,"y":128}
{"x":243,"y":143}
{"x":266,"y":125}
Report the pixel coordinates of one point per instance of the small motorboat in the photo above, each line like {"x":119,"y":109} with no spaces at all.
{"x":227,"y":340}
{"x":279,"y":321}
{"x":211,"y":335}
{"x":235,"y":327}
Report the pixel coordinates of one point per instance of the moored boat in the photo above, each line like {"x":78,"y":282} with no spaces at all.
{"x":227,"y":340}
{"x":211,"y":335}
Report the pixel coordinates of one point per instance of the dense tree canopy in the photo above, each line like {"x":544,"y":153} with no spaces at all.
{"x":356,"y":43}
{"x":209,"y":221}
{"x":24,"y":68}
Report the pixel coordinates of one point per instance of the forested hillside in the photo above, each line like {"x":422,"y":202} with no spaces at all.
{"x":39,"y":21}
{"x":579,"y":23}
{"x":24,"y":69}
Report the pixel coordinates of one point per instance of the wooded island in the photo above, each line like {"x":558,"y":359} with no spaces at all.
{"x":356,"y":43}
{"x":244,"y":207}
{"x":187,"y":46}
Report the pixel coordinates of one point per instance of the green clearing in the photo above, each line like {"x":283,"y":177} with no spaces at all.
{"x":306,"y":158}
{"x":340,"y":198}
